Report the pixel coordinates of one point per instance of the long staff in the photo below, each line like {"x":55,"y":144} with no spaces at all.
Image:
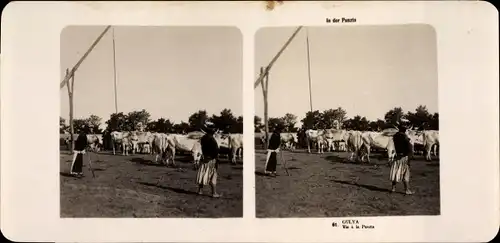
{"x":283,"y":162}
{"x":90,"y":166}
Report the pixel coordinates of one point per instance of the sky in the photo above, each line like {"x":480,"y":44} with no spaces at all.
{"x":366,"y":70}
{"x":171,"y":72}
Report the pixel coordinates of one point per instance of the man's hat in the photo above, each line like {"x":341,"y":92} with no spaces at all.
{"x":208,"y":126}
{"x":402,"y":126}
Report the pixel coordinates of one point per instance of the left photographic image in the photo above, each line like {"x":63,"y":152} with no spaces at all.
{"x":151,"y":122}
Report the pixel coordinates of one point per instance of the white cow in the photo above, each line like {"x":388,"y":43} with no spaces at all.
{"x":378,"y":140}
{"x":95,"y":141}
{"x":334,"y":136}
{"x":416,"y":139}
{"x":196,"y":134}
{"x":354,"y":144}
{"x":122,"y":138}
{"x":139,"y":139}
{"x":183,"y":143}
{"x":222,"y":140}
{"x":289,"y":140}
{"x":431,"y":139}
{"x":160,"y":146}
{"x":236,"y":145}
{"x":315,"y":136}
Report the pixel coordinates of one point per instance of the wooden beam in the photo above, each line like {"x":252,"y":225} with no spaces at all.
{"x":77,"y":65}
{"x":266,"y":71}
{"x":266,"y":122}
{"x":71,"y":127}
{"x":309,"y":71}
{"x":266,"y":107}
{"x":114,"y":72}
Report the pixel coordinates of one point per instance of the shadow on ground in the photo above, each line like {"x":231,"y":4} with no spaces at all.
{"x":369,"y":187}
{"x":66,"y":174}
{"x":338,"y":159}
{"x":433,"y":163}
{"x":146,"y":162}
{"x":176,"y":190}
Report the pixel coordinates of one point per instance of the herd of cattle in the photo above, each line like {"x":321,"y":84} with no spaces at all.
{"x":162,"y":144}
{"x":360,"y":142}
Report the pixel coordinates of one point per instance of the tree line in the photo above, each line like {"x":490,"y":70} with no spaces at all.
{"x":225,"y":121}
{"x":419,"y":118}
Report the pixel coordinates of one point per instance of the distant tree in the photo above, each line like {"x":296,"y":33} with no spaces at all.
{"x":381,"y":124}
{"x":151,"y":126}
{"x":238,"y":128}
{"x":136,"y":117}
{"x":374,"y":126}
{"x":434,"y":122}
{"x":289,"y":121}
{"x":357,"y":123}
{"x":94,"y":123}
{"x":181,"y":128}
{"x":89,"y":125}
{"x":197,"y":120}
{"x":225,"y":121}
{"x":364,"y":124}
{"x":332,"y":117}
{"x":161,"y":125}
{"x":394,"y":116}
{"x":81,"y":125}
{"x":312,"y":120}
{"x":421,"y":118}
{"x":378,"y":125}
{"x":117,"y":122}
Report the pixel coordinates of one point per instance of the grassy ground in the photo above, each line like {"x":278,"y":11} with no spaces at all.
{"x":126,"y":186}
{"x":327,"y":186}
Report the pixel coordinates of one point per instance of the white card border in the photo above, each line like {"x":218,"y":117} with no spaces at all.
{"x":467,"y":33}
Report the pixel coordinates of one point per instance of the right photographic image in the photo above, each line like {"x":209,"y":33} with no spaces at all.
{"x":346,"y":121}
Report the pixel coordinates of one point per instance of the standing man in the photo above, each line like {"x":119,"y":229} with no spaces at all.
{"x":400,"y":168}
{"x":80,"y":146}
{"x":272,"y":152}
{"x":207,"y":172}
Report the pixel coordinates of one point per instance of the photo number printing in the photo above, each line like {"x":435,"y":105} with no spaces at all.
{"x":340,"y":20}
{"x":352,"y":224}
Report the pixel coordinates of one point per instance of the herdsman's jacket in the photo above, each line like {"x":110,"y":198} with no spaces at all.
{"x":275,"y":141}
{"x":81,"y":142}
{"x":209,"y":147}
{"x":402,"y":144}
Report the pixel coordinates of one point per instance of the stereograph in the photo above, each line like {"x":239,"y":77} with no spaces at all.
{"x":265,"y":121}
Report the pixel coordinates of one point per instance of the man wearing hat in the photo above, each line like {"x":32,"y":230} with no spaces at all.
{"x":400,"y":168}
{"x":207,"y":172}
{"x":272,"y":152}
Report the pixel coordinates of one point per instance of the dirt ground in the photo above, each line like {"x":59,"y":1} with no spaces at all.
{"x":126,"y":186}
{"x":327,"y":186}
